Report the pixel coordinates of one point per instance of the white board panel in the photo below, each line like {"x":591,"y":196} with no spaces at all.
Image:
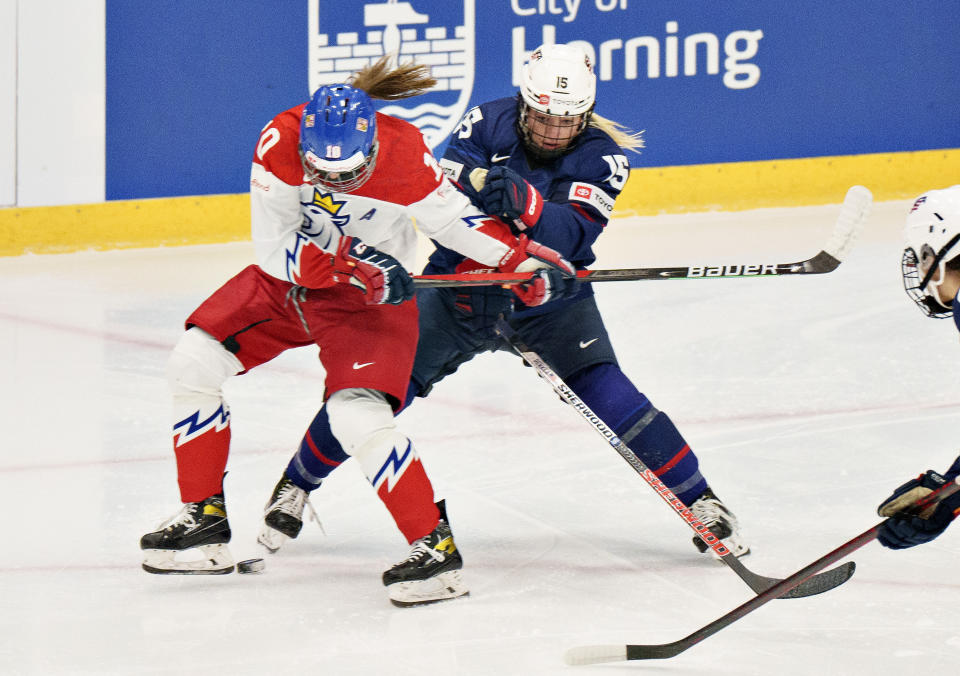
{"x":8,"y":103}
{"x":61,"y":102}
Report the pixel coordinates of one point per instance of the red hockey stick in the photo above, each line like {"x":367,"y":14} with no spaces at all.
{"x":595,"y":654}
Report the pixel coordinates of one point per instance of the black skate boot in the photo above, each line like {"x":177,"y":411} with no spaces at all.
{"x":430,"y":573}
{"x":283,"y":515}
{"x":720,"y":521}
{"x":199,"y":525}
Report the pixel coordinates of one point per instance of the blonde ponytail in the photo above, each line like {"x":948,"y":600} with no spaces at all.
{"x":622,"y":136}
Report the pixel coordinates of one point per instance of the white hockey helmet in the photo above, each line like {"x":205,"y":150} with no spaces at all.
{"x":558,"y":89}
{"x":932,"y":235}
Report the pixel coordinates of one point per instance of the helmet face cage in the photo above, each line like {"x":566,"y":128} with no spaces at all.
{"x":915,"y":286}
{"x":338,"y":138}
{"x":340,"y":181}
{"x":547,"y":136}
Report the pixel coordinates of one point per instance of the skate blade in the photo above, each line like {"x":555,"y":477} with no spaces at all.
{"x":442,"y":587}
{"x":271,"y":539}
{"x":216,"y":561}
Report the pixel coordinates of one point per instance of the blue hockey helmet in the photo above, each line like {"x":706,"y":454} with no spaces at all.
{"x":338,"y":138}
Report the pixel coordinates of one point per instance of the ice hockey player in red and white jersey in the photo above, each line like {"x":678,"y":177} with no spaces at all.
{"x":547,"y":162}
{"x":334,"y":189}
{"x":931,"y":277}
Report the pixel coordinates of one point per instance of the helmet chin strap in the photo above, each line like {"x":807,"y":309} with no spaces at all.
{"x":934,"y":287}
{"x":939,"y":264}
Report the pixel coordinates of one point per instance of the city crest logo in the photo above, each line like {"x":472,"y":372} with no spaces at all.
{"x":345,"y":38}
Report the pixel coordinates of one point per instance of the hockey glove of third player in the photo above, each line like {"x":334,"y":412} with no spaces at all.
{"x":908,"y":529}
{"x":506,"y":194}
{"x":380,"y":275}
{"x":554,"y":277}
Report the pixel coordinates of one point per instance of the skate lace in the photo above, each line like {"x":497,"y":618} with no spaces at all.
{"x":291,"y":499}
{"x":421,"y":549}
{"x":708,"y":511}
{"x":183,"y":517}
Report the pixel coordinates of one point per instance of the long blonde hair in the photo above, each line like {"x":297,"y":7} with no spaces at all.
{"x":621,"y":135}
{"x":382,"y":80}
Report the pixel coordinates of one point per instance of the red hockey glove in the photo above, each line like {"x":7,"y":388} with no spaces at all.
{"x":506,"y":194}
{"x":380,"y":275}
{"x":554,"y":276}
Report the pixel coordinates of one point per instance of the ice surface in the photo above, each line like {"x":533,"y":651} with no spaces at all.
{"x":807,"y":399}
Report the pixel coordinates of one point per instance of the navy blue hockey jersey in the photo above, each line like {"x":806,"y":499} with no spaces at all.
{"x":579,"y":188}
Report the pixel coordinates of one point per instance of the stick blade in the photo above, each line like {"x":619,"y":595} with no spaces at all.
{"x":853,"y":214}
{"x":822,"y":582}
{"x":595,"y":654}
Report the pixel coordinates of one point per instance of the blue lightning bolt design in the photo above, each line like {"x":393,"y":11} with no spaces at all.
{"x":475,"y":221}
{"x":195,"y":428}
{"x":293,"y":258}
{"x":394,"y":465}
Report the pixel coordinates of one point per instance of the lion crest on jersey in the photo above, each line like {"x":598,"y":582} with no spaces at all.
{"x":437,"y":34}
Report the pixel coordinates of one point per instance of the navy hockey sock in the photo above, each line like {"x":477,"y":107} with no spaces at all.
{"x":648,"y":431}
{"x":319,"y":454}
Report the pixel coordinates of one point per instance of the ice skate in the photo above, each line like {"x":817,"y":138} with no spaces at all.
{"x":199,"y":528}
{"x":283,"y":515}
{"x":430,"y":573}
{"x":720,"y":521}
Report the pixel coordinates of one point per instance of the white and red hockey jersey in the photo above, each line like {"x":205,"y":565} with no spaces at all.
{"x":290,"y":216}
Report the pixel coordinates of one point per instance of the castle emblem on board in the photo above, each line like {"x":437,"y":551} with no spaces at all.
{"x":440,"y":35}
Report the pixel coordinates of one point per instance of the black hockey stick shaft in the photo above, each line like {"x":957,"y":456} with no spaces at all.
{"x":853,"y":212}
{"x":595,"y":654}
{"x":819,"y":264}
{"x":757,"y":583}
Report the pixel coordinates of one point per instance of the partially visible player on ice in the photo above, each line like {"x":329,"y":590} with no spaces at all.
{"x":931,"y":277}
{"x":334,"y":189}
{"x":549,"y":165}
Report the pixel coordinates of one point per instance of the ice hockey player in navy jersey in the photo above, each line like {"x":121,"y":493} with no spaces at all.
{"x":545,"y":162}
{"x":931,"y":277}
{"x":334,"y":190}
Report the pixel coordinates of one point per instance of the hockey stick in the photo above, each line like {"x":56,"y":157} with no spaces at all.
{"x":758,"y":583}
{"x":853,"y":213}
{"x":615,"y":653}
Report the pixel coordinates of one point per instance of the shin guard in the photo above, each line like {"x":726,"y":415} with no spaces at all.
{"x":361,"y":420}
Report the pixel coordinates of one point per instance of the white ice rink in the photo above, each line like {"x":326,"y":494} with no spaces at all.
{"x":807,"y":399}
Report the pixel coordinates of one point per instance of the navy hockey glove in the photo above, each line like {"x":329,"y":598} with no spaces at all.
{"x":480,"y":306}
{"x":554,"y":276}
{"x":506,"y":194}
{"x":908,"y":529}
{"x":380,"y":275}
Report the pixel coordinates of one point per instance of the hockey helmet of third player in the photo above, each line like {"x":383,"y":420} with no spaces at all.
{"x":557,"y":93}
{"x":338,"y":138}
{"x":932,"y":236}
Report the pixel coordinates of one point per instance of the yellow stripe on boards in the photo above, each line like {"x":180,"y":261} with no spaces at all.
{"x":738,"y":186}
{"x":732,"y":186}
{"x":126,"y":224}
